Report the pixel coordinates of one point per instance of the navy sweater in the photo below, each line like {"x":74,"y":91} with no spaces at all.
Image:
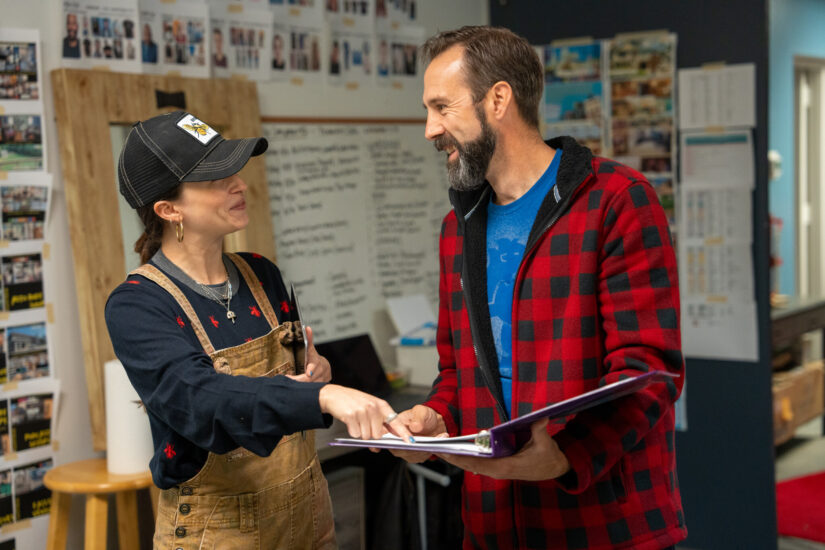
{"x":192,"y":408}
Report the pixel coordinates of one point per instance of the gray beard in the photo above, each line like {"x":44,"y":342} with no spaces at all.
{"x":469,"y":172}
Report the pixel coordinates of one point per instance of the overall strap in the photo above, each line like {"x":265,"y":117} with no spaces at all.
{"x":156,"y":275}
{"x":255,"y":286}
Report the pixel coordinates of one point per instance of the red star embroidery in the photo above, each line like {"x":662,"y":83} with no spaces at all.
{"x":214,"y":321}
{"x":133,"y":282}
{"x":248,"y":339}
{"x":169,"y":451}
{"x":181,"y":324}
{"x":256,"y":256}
{"x":255,"y":311}
{"x":285,"y":306}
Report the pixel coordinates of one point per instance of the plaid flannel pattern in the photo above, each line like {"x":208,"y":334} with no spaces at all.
{"x":596,"y":300}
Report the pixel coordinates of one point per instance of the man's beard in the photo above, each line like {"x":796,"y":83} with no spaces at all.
{"x":469,"y":171}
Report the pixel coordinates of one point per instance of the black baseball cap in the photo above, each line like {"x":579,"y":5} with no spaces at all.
{"x":164,"y":151}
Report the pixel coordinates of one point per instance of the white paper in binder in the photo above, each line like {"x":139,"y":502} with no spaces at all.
{"x":128,"y":436}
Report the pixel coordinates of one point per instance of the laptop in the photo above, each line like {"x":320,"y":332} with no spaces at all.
{"x":355,"y":364}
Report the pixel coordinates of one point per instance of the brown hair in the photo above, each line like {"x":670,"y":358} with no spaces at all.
{"x":494,"y":54}
{"x":149,"y":242}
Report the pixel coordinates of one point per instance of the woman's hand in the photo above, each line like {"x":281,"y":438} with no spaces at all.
{"x":317,"y":369}
{"x":365,"y":415}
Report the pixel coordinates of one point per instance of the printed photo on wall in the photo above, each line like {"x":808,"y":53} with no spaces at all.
{"x":175,"y":38}
{"x":24,"y":211}
{"x":305,"y":51}
{"x":27,"y":352}
{"x":31,"y":421}
{"x":5,"y":440}
{"x":573,"y":95}
{"x":31,"y":497}
{"x":350,"y":58}
{"x":21,"y":143}
{"x":96,"y":34}
{"x":22,"y":282}
{"x":6,"y":508}
{"x":18,"y":71}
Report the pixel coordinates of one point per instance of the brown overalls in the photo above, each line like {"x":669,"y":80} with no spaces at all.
{"x":239,"y":500}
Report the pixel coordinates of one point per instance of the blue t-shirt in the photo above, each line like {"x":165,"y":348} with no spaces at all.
{"x":508,"y":227}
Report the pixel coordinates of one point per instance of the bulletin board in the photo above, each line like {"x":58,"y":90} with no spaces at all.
{"x":356,"y":208}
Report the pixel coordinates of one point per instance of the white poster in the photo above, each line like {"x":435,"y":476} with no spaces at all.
{"x":101,"y":34}
{"x":717,"y":95}
{"x":175,"y":38}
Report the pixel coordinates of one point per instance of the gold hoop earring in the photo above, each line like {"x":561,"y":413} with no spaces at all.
{"x":179,"y":230}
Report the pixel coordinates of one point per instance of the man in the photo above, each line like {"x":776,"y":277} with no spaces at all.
{"x":557,"y":275}
{"x":219,"y":58}
{"x":71,"y":45}
{"x":148,"y":47}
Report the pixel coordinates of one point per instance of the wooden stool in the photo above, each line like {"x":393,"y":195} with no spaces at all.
{"x":91,"y":478}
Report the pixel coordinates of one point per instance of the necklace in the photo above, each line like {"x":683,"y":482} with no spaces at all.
{"x":226,"y":296}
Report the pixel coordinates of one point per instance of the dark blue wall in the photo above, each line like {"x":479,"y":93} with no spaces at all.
{"x":726,"y":458}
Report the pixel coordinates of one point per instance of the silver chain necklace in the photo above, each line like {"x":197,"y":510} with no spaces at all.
{"x":226,"y":297}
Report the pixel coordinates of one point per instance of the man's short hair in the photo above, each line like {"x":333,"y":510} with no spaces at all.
{"x":494,"y":54}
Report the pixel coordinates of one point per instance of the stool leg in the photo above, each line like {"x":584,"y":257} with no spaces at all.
{"x":127,"y":520}
{"x":97,"y":509}
{"x":59,"y":521}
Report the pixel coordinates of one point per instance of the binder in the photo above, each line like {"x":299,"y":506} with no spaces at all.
{"x":507,"y":438}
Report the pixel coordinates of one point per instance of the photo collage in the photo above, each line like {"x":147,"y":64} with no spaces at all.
{"x":616,"y":97}
{"x":643,"y":130}
{"x":100,"y":34}
{"x":18,"y":71}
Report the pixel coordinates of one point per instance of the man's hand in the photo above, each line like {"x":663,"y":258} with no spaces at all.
{"x":538,"y":460}
{"x":420,"y":420}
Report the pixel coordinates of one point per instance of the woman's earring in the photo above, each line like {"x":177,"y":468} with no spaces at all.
{"x":179,"y":230}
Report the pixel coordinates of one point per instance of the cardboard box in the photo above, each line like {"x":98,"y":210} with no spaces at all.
{"x":798,"y":396}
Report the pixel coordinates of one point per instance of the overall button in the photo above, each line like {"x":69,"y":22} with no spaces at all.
{"x":180,"y":532}
{"x":184,"y":508}
{"x":186,"y":491}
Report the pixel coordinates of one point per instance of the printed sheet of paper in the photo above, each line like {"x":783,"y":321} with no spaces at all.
{"x":102,"y":34}
{"x":715,"y":245}
{"x":717,"y":96}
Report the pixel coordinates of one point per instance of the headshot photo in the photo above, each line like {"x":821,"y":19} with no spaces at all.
{"x":148,"y":47}
{"x":218,"y":54}
{"x":278,"y":57}
{"x":71,"y":44}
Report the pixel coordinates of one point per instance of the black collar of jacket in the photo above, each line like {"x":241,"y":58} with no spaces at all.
{"x":471,"y":211}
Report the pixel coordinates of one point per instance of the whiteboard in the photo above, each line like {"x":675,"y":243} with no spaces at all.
{"x":356,"y":211}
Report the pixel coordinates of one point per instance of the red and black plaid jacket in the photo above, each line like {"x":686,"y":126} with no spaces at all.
{"x":596,"y":299}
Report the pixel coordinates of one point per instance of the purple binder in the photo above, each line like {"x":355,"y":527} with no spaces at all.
{"x":507,"y":438}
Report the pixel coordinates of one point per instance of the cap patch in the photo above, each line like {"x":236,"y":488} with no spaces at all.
{"x":197,"y":129}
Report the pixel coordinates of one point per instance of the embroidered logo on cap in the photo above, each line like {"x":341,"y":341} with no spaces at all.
{"x":197,"y":129}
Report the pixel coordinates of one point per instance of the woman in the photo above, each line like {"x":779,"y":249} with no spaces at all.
{"x":206,"y":342}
